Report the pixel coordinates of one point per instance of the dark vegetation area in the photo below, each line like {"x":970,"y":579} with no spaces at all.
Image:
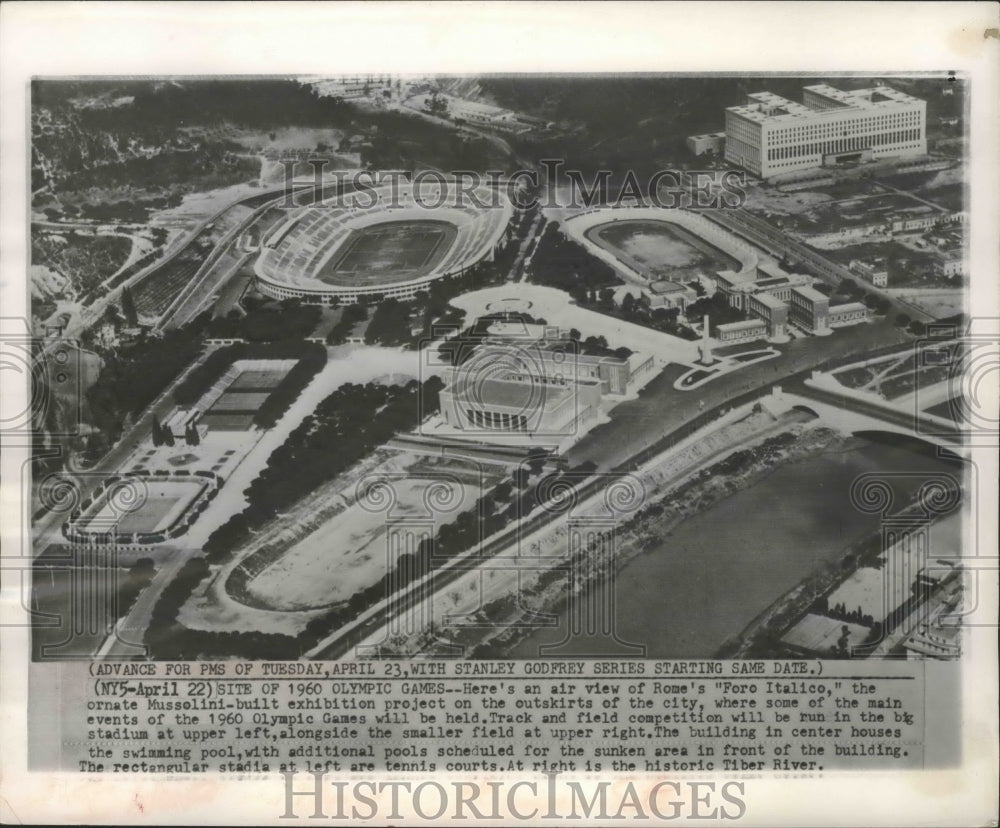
{"x":172,"y":137}
{"x":289,"y":319}
{"x":660,"y":113}
{"x":85,"y":259}
{"x":562,"y":263}
{"x":311,"y":358}
{"x":327,"y":442}
{"x":134,"y":375}
{"x":168,"y":638}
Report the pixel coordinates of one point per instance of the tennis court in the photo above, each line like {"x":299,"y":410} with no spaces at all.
{"x":243,"y":401}
{"x":255,"y":380}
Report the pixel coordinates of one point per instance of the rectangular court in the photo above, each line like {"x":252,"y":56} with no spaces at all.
{"x":255,"y":380}
{"x":218,"y":421}
{"x":245,"y":401}
{"x":164,"y":501}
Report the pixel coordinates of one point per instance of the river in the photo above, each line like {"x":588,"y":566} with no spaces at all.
{"x":717,"y":571}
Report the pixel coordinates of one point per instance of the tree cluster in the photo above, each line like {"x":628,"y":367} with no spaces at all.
{"x":562,"y":263}
{"x":135,"y":375}
{"x":856,"y":616}
{"x":191,"y":436}
{"x":129,"y":311}
{"x":460,"y":348}
{"x":718,"y":308}
{"x":352,"y":315}
{"x":289,"y":320}
{"x":162,"y":436}
{"x":343,"y":429}
{"x":137,"y":578}
{"x":390,"y":324}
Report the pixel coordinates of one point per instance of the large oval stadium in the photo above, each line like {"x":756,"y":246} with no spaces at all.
{"x":391,"y":240}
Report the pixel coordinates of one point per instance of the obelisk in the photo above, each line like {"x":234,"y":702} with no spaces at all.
{"x":705,"y":347}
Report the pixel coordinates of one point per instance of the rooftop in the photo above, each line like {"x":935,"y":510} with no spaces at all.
{"x":525,"y":397}
{"x":517,"y":329}
{"x":861,"y":98}
{"x":768,"y":107}
{"x":811,"y":293}
{"x":731,"y":277}
{"x":768,"y":300}
{"x":848,"y":306}
{"x":562,"y":354}
{"x":661,"y":287}
{"x":770,"y":268}
{"x":742,"y":326}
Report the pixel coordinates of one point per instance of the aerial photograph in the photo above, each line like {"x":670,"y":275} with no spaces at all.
{"x":500,"y":366}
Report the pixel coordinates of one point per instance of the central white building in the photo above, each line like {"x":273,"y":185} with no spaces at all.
{"x":771,"y":135}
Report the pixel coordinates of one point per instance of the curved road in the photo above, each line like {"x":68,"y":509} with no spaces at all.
{"x":776,"y":242}
{"x":367,"y":624}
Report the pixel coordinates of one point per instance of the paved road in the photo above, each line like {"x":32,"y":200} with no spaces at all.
{"x":638,"y":424}
{"x":776,"y":242}
{"x":207,"y":286}
{"x":95,"y":311}
{"x":630,"y":440}
{"x":131,"y":628}
{"x":485,"y":452}
{"x":910,"y":420}
{"x":209,"y":277}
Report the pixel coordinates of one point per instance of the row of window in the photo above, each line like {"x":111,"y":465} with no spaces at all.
{"x":348,"y":294}
{"x":854,"y":127}
{"x":496,"y":420}
{"x":737,"y":128}
{"x":858,"y":142}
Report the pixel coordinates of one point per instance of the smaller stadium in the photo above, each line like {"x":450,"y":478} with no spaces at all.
{"x":388,"y":241}
{"x":142,"y":508}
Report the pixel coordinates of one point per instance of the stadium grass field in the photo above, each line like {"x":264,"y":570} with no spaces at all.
{"x":388,"y":252}
{"x":660,"y":250}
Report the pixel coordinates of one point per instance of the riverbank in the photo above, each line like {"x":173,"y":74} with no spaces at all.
{"x":670,"y":502}
{"x":707,"y":571}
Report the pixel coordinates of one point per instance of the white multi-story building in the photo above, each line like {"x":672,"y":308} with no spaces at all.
{"x":771,"y":135}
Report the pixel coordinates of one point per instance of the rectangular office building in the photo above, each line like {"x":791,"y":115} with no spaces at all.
{"x":771,"y":135}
